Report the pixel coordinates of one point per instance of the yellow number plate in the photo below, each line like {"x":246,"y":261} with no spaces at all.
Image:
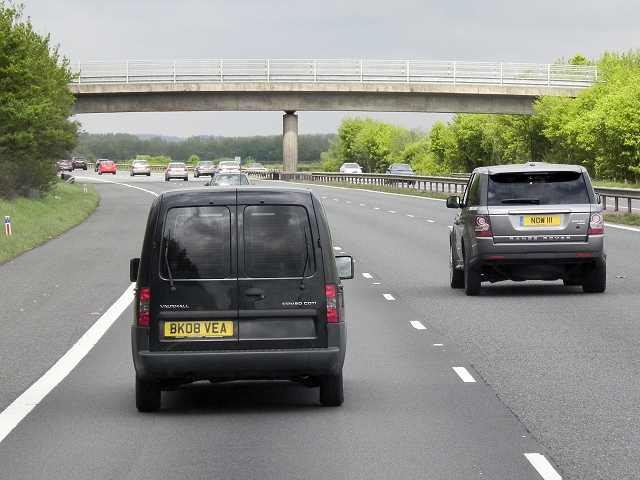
{"x":540,"y":221}
{"x":199,"y":329}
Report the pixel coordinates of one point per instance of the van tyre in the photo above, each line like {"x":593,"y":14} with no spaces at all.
{"x":331,"y":391}
{"x":595,"y":281}
{"x":148,"y":396}
{"x":472,"y":280}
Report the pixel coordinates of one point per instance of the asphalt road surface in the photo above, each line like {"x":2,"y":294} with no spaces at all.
{"x":527,"y":381}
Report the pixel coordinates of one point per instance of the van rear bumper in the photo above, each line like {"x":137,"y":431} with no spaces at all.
{"x":187,"y":366}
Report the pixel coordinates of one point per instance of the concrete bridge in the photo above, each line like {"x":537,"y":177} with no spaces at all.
{"x":320,"y":85}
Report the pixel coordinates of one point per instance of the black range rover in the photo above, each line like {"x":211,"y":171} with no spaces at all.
{"x":238,"y":284}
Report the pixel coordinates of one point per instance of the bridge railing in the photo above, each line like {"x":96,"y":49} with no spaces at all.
{"x":349,"y":71}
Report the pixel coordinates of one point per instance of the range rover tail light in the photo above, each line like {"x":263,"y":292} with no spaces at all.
{"x":596,"y":224}
{"x":482,"y":227}
{"x":144,"y":295}
{"x":332,"y":303}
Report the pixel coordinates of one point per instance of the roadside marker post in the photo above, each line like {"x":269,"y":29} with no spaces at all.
{"x":84,"y":188}
{"x":7,"y":225}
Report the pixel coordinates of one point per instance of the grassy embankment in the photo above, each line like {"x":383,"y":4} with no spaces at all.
{"x":36,"y":221}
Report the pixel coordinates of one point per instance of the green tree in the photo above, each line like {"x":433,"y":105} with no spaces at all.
{"x":35,"y":102}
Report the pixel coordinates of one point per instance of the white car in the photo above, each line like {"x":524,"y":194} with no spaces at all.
{"x":350,"y":168}
{"x":228,"y":166}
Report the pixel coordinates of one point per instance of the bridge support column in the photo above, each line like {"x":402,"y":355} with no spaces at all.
{"x":290,"y":142}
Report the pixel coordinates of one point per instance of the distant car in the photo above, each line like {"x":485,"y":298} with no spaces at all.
{"x":64,"y":165}
{"x":350,"y":168}
{"x":227,"y":179}
{"x":401,"y":169}
{"x":106,"y":166}
{"x":176,"y":170}
{"x":97,"y":164}
{"x":204,"y":168}
{"x":228,"y":166}
{"x":140,"y":167}
{"x":79,"y":162}
{"x":255,"y":167}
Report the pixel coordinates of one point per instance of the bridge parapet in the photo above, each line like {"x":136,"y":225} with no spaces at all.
{"x":334,"y":71}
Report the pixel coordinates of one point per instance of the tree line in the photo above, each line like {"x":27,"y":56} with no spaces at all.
{"x":600,"y":129}
{"x":122,"y":147}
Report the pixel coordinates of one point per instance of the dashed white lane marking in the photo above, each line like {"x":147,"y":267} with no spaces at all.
{"x":367,"y":275}
{"x":431,"y":221}
{"x":376,"y":208}
{"x":337,"y":248}
{"x":362,"y":204}
{"x":417,"y":325}
{"x":392,"y":211}
{"x":464,"y":374}
{"x":388,"y":296}
{"x":542,"y":465}
{"x":411,"y":216}
{"x":20,"y":408}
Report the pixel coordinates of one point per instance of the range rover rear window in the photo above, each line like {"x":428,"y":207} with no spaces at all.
{"x":196,"y":243}
{"x":541,"y":188}
{"x":277,"y":242}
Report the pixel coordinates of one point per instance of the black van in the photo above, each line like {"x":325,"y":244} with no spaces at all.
{"x":238,"y":283}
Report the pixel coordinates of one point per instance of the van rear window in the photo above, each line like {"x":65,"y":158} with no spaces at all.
{"x":277,"y":242}
{"x":540,"y":188}
{"x":197,"y":243}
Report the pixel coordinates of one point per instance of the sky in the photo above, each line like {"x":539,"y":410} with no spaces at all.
{"x":516,"y":31}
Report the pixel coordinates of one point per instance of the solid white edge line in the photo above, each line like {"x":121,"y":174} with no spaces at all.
{"x":20,"y":408}
{"x":464,"y":374}
{"x":418,"y":325}
{"x":542,"y":465}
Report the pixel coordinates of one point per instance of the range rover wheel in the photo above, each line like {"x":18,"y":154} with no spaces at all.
{"x":472,"y":280}
{"x":148,"y":396}
{"x":595,"y":281}
{"x":331,"y":391}
{"x":456,"y":276}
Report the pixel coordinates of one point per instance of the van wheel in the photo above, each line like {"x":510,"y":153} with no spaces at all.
{"x":148,"y":396}
{"x":472,"y":280}
{"x":595,"y":281}
{"x":456,"y":277}
{"x":331,"y":391}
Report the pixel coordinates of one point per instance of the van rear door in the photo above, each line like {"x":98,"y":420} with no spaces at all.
{"x":281,"y":281}
{"x":194,"y":294}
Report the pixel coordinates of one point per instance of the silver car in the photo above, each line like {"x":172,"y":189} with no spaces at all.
{"x":533,"y":221}
{"x":176,"y":170}
{"x":350,"y":168}
{"x":140,"y":167}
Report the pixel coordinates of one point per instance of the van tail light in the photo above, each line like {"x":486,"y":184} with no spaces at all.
{"x":332,"y":303}
{"x":144,"y":295}
{"x":596,"y":224}
{"x":482,"y":227}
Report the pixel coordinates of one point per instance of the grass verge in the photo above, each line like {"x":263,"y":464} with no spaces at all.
{"x":36,"y":221}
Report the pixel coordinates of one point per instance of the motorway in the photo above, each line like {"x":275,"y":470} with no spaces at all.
{"x":527,"y":381}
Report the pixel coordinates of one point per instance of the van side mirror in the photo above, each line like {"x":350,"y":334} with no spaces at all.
{"x":134,"y":266}
{"x":345,"y":266}
{"x":453,"y":201}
